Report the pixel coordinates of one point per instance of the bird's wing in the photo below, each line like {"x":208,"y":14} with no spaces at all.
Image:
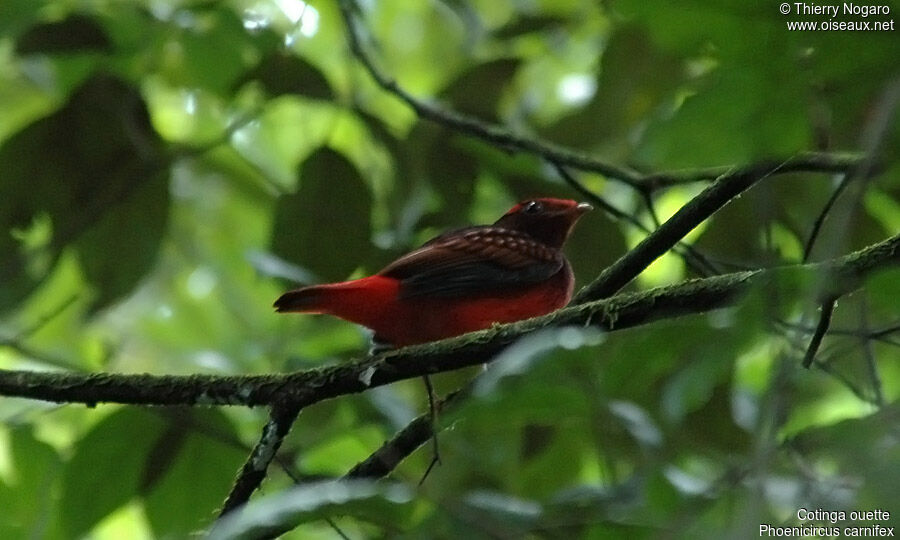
{"x":474,"y":260}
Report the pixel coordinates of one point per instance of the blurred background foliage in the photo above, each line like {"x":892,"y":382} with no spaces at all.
{"x":168,"y":167}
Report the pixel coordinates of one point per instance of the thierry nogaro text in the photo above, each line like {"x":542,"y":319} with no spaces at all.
{"x":847,"y":8}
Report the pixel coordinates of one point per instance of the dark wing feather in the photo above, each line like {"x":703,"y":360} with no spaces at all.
{"x":474,"y":260}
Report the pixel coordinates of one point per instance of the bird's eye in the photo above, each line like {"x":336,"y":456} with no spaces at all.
{"x":532,"y":207}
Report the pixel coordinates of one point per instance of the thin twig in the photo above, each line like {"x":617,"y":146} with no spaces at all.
{"x":597,"y":200}
{"x":873,"y":139}
{"x":869,"y":354}
{"x":729,"y":181}
{"x":504,"y":138}
{"x":240,"y":122}
{"x":48,"y":317}
{"x":821,"y":329}
{"x":844,"y":380}
{"x":700,"y":208}
{"x":823,"y":215}
{"x":866,"y":335}
{"x":16,"y":342}
{"x":433,"y":413}
{"x":817,"y":162}
{"x":466,"y":124}
{"x":405,"y":442}
{"x":692,"y":258}
{"x":647,"y":197}
{"x":336,"y":529}
{"x":298,"y":478}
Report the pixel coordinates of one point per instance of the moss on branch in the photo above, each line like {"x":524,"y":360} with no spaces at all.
{"x":310,"y":386}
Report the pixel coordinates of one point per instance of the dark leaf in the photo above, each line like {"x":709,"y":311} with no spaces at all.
{"x":282,"y":73}
{"x":76,"y":33}
{"x":95,"y":169}
{"x":106,"y":469}
{"x":326,"y":225}
{"x":452,"y":171}
{"x":528,"y":24}
{"x":121,"y":247}
{"x":166,"y":448}
{"x":194,"y":476}
{"x":478,"y":90}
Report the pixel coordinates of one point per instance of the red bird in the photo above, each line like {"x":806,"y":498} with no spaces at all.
{"x":461,"y":281}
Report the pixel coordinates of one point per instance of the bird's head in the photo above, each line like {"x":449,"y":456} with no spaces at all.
{"x":549,"y":221}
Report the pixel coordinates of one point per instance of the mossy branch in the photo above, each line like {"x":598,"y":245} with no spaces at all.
{"x":306,"y":387}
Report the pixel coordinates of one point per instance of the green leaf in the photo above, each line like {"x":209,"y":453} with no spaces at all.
{"x":525,"y":384}
{"x":30,"y":502}
{"x":405,"y":196}
{"x":766,"y":123}
{"x":863,"y":448}
{"x":885,"y":289}
{"x":94,"y":167}
{"x":325,"y":226}
{"x":121,"y":247}
{"x":478,"y":90}
{"x":559,"y":450}
{"x":106,"y":468}
{"x":635,"y":80}
{"x":211,"y":51}
{"x":282,"y":73}
{"x":17,"y":14}
{"x":196,"y":471}
{"x":592,"y":511}
{"x":693,"y":385}
{"x":365,"y":500}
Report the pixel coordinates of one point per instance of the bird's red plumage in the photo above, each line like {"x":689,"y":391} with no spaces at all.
{"x":461,"y":281}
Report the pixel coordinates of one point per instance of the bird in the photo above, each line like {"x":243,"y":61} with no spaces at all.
{"x":461,"y":281}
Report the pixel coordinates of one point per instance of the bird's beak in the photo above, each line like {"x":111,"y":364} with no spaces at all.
{"x":582,"y":208}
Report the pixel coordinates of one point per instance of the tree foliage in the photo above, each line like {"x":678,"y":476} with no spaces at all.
{"x":167,"y":168}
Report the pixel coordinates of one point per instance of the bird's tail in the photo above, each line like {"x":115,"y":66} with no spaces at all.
{"x":305,"y":300}
{"x":351,"y":300}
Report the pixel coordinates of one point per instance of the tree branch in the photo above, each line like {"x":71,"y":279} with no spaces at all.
{"x":405,"y":442}
{"x":288,"y":394}
{"x":306,"y":387}
{"x":819,"y":334}
{"x":691,"y":257}
{"x":472,"y":126}
{"x":729,"y":181}
{"x":553,"y":153}
{"x":700,"y":208}
{"x":251,"y":475}
{"x":818,"y":162}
